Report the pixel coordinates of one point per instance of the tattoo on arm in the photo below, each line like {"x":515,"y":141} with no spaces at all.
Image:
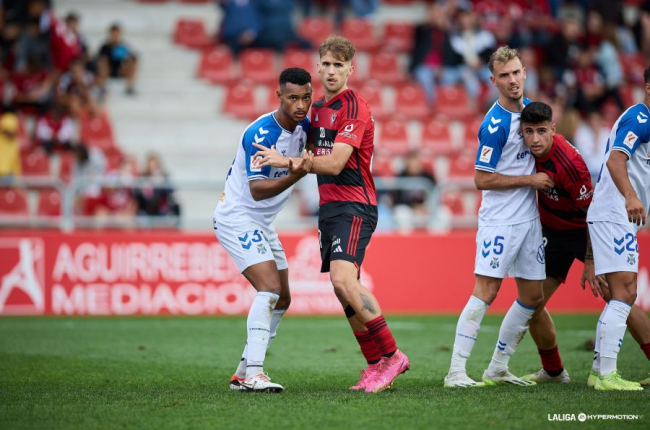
{"x":589,"y":255}
{"x":367,"y":304}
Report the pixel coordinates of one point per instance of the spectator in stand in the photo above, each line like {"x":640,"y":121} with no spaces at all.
{"x":606,"y":58}
{"x":468,"y":51}
{"x":411,"y":209}
{"x":78,"y":91}
{"x":9,"y":147}
{"x":32,"y":88}
{"x":586,"y":83}
{"x":55,"y":130}
{"x":32,"y":44}
{"x":72,"y":24}
{"x":156,"y":196}
{"x":116,"y":204}
{"x":117,"y":60}
{"x":88,"y":173}
{"x":278,"y":30}
{"x":563,"y":50}
{"x":591,"y":140}
{"x":427,"y":54}
{"x":240,"y":25}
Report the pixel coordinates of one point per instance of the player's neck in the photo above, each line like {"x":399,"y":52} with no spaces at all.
{"x":330,"y":95}
{"x":512,"y":105}
{"x":284,"y":121}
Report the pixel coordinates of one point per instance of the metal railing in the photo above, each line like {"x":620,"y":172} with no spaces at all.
{"x":71,"y":194}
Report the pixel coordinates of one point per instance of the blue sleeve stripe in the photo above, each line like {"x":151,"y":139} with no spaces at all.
{"x":622,"y":149}
{"x":484,"y":168}
{"x":253,"y":177}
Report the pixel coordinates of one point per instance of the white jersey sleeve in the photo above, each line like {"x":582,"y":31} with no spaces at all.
{"x":630,"y":135}
{"x":502,"y":150}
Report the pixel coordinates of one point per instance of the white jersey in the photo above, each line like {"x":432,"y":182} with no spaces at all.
{"x":236,"y":202}
{"x":630,"y":135}
{"x":502,"y":150}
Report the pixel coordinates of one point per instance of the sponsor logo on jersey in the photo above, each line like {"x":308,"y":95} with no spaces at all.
{"x":630,"y":139}
{"x":523,"y":155}
{"x":281,"y":173}
{"x":256,"y":163}
{"x":332,"y":120}
{"x":551,"y":194}
{"x":486,"y":154}
{"x":349,"y":127}
{"x":585,"y":194}
{"x":322,"y":132}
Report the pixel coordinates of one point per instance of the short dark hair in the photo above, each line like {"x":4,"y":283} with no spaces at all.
{"x":72,"y":16}
{"x":295,"y":75}
{"x":646,"y":76}
{"x":536,"y":112}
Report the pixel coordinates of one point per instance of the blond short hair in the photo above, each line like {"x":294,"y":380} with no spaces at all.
{"x":340,"y":47}
{"x":503,"y":55}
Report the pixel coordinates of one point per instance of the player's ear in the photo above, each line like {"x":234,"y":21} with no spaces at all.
{"x":279,"y":94}
{"x":351,"y":68}
{"x":553,"y":128}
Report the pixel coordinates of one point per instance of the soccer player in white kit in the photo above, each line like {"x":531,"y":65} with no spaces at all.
{"x":509,"y":238}
{"x":243,"y":219}
{"x":618,"y":211}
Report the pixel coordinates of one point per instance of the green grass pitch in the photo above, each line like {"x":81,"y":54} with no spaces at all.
{"x":86,"y":373}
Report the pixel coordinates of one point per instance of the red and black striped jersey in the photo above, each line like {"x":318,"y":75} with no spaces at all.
{"x":561,"y":208}
{"x":345,"y":118}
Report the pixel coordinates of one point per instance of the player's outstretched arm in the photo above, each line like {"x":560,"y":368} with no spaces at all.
{"x":266,"y":188}
{"x":617,"y":165}
{"x":496,"y":181}
{"x":330,"y":164}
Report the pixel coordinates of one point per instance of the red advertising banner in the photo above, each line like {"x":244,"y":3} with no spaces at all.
{"x":126,"y":273}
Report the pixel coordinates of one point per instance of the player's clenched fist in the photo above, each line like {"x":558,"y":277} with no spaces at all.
{"x":541,"y":181}
{"x":635,"y":211}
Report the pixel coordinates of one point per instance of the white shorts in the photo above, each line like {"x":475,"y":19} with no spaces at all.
{"x":249,"y":242}
{"x":513,"y":250}
{"x":615,"y":247}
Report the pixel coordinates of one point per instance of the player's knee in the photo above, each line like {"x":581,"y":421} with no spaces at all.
{"x":268,"y":287}
{"x":284,"y":301}
{"x":536,"y":301}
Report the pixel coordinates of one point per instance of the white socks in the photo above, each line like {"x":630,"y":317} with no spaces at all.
{"x":467,"y":329}
{"x":512,"y":331}
{"x":275,"y":321}
{"x":612,"y":330}
{"x":595,"y":365}
{"x":259,"y":331}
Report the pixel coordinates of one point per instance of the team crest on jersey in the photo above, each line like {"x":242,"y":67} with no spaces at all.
{"x":316,"y":119}
{"x":261,"y":249}
{"x":631,"y":259}
{"x":494,"y":263}
{"x":301,"y":146}
{"x":256,"y":163}
{"x":486,"y":154}
{"x":630,"y":139}
{"x":332,"y":120}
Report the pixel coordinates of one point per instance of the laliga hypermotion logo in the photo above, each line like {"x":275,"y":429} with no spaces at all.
{"x":22,"y":268}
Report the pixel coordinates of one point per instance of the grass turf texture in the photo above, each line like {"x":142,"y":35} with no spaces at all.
{"x":84,"y":373}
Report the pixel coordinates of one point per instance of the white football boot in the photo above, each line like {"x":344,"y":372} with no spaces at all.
{"x":542,"y":377}
{"x":504,"y":377}
{"x":460,"y":379}
{"x":261,"y":383}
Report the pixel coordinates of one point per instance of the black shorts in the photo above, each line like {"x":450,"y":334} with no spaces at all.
{"x":344,"y":237}
{"x":561,"y":248}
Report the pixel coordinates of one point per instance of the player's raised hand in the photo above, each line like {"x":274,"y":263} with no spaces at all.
{"x":271,"y":157}
{"x":541,"y":181}
{"x":304,"y":166}
{"x":635,"y":211}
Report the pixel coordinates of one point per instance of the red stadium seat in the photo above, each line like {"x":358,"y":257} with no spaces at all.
{"x":13,"y":202}
{"x":361,"y":32}
{"x":191,"y":33}
{"x":35,"y":163}
{"x":258,"y":65}
{"x":217,"y":66}
{"x":453,"y":102}
{"x":385,"y":68}
{"x":315,"y":29}
{"x":461,"y":168}
{"x":470,"y":141}
{"x":411,"y":102}
{"x":436,"y":138}
{"x":373,"y":93}
{"x":393,"y":138}
{"x":634,"y":66}
{"x":96,"y":131}
{"x":382,"y":166}
{"x":398,"y":36}
{"x":66,"y":166}
{"x":453,"y":201}
{"x":49,"y":203}
{"x":301,"y":58}
{"x":240,"y":101}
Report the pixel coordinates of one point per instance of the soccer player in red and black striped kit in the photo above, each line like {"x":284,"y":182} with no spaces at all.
{"x":563,"y":213}
{"x":343,"y":144}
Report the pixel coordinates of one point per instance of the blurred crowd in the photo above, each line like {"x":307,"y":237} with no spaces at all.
{"x":583,"y":57}
{"x":52,"y":85}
